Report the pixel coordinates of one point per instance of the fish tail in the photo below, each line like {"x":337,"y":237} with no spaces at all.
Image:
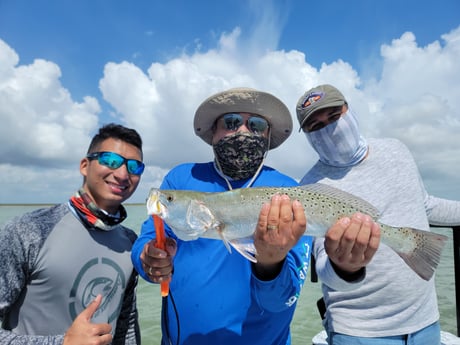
{"x":424,"y":257}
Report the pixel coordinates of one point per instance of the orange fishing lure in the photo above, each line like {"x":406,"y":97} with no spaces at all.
{"x":161,"y":244}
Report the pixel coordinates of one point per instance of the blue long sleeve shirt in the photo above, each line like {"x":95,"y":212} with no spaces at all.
{"x":218,"y":298}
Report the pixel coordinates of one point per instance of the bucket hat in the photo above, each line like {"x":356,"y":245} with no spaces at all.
{"x":244,"y":100}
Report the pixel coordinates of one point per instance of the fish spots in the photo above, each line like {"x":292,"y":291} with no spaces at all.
{"x":198,"y":214}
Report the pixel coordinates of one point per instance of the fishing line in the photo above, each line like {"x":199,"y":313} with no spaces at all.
{"x":164,"y":318}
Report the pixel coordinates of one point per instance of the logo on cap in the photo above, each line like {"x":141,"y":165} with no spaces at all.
{"x":312,"y":98}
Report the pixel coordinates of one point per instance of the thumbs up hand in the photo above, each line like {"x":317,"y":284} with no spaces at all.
{"x":84,"y":332}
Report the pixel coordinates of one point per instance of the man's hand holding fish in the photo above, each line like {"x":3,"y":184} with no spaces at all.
{"x":280,"y":225}
{"x":351,"y":243}
{"x":158,"y":263}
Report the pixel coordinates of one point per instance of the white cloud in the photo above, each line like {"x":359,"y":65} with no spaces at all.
{"x":41,"y":129}
{"x":40,"y":121}
{"x":413,"y":99}
{"x":413,"y":95}
{"x":418,"y":95}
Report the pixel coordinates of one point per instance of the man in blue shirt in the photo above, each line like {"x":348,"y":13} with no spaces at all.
{"x":217,"y":297}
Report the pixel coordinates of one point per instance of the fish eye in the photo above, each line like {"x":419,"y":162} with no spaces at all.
{"x":170,"y":198}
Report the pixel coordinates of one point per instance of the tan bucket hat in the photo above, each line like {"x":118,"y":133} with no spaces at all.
{"x":244,"y":100}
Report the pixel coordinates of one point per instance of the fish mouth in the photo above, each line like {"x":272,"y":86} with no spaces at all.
{"x":154,"y":205}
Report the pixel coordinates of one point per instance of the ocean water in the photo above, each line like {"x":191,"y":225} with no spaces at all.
{"x":306,"y":323}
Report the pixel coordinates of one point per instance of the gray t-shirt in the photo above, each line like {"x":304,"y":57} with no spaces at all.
{"x":52,"y":268}
{"x":391,"y":299}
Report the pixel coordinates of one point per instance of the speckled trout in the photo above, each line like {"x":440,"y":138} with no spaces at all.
{"x":232,"y":217}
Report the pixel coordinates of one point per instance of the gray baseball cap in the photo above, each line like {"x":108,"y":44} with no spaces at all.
{"x":320,"y":97}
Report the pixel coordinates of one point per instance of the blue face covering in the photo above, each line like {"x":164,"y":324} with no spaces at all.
{"x":339,"y":144}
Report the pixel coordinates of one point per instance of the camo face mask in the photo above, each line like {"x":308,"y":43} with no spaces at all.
{"x":239,"y":155}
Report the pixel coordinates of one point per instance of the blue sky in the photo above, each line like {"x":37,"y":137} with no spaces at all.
{"x":70,"y":66}
{"x":82,"y":36}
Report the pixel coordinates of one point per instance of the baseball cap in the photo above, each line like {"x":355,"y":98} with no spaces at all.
{"x":320,"y":97}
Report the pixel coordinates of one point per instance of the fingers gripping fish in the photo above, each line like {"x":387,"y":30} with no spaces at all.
{"x":232,"y":217}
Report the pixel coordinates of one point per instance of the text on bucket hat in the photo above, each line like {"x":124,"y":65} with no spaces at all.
{"x":320,"y":97}
{"x":244,"y":100}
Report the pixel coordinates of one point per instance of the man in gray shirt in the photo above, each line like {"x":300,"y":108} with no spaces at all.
{"x":385,"y":302}
{"x":66,"y":275}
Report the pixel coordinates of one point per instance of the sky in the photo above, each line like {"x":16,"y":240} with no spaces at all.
{"x":67,"y":67}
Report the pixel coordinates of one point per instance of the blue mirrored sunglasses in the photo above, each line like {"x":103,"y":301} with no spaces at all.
{"x":233,"y":121}
{"x":113,"y":160}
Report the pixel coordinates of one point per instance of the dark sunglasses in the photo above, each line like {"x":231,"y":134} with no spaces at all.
{"x":113,"y":160}
{"x":233,"y":121}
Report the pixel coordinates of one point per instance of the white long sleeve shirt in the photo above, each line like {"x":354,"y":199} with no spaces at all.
{"x":391,"y":299}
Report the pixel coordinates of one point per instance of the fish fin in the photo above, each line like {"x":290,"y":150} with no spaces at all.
{"x":245,"y":246}
{"x":426,"y":254}
{"x":226,"y":242}
{"x":199,"y":217}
